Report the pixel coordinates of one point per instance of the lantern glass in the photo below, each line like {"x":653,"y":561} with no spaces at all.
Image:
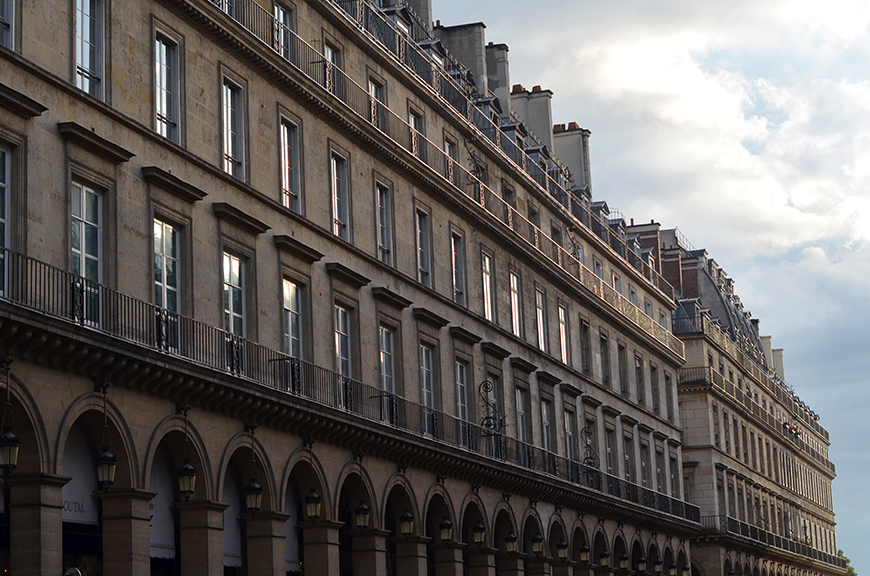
{"x":479,"y":533}
{"x":657,"y":566}
{"x":584,"y":554}
{"x":186,"y":479}
{"x":106,"y":466}
{"x":623,"y":562}
{"x":406,"y":523}
{"x":9,"y":444}
{"x":312,"y":505}
{"x":362,"y":515}
{"x":253,"y":496}
{"x":510,"y":543}
{"x":686,"y":570}
{"x":537,"y":543}
{"x":604,"y":559}
{"x":641,"y":564}
{"x":446,"y":528}
{"x":562,"y":550}
{"x":672,"y":569}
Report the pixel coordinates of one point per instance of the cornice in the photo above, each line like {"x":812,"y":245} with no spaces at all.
{"x":172,"y":184}
{"x":239,"y":218}
{"x":91,"y":141}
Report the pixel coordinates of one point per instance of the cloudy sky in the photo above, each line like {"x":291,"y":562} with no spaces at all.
{"x":746,"y":124}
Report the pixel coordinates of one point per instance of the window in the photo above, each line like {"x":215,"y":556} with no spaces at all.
{"x":674,"y":478}
{"x":89,"y":46}
{"x":647,"y":307}
{"x":378,"y":97}
{"x":283,"y":26}
{"x":384,"y":223}
{"x":522,"y":398}
{"x":597,"y":268}
{"x":457,"y":263}
{"x":638,"y":378}
{"x":622,"y":359}
{"x":727,"y":431}
{"x":663,"y":319}
{"x":660,"y":464}
{"x":617,"y":283}
{"x":7,"y":19}
{"x":387,"y":364}
{"x":290,"y":181}
{"x":424,"y":248}
{"x":585,"y":347}
{"x":292,"y":319}
{"x":427,"y":387}
{"x":166,"y":87}
{"x":541,"y":318}
{"x":516,"y":305}
{"x":342,"y":341}
{"x":332,"y":64}
{"x":547,"y":424}
{"x":654,"y":384}
{"x":628,"y":452}
{"x":669,"y":397}
{"x":233,"y":130}
{"x":488,"y":286}
{"x":418,"y":131}
{"x":462,"y":390}
{"x":570,"y":441}
{"x":644,"y":465}
{"x":234,"y":295}
{"x":4,"y":212}
{"x":563,"y":335}
{"x":632,"y":295}
{"x":165,"y":266}
{"x":340,"y":211}
{"x":86,"y":247}
{"x":451,"y":157}
{"x":604,"y":350}
{"x":608,"y":450}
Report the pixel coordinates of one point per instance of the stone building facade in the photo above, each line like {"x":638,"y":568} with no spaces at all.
{"x":288,"y":247}
{"x":755,"y":458}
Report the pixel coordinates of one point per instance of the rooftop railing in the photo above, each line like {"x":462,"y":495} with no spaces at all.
{"x":729,"y":525}
{"x":707,"y":375}
{"x":333,"y":80}
{"x":703,"y":325}
{"x":46,"y":289}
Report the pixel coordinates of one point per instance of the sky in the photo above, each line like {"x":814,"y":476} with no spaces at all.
{"x":745,"y":124}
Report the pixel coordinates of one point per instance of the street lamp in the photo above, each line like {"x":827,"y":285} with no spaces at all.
{"x":537,"y":543}
{"x":406,"y":523}
{"x":562,"y":550}
{"x":510,"y":543}
{"x":584,"y":554}
{"x":658,"y":565}
{"x":312,"y":505}
{"x":187,"y":473}
{"x":479,"y":534}
{"x":9,"y":442}
{"x":362,"y":514}
{"x":604,"y":559}
{"x":253,"y":491}
{"x":107,"y":464}
{"x":641,"y":564}
{"x":623,"y":561}
{"x":446,"y":528}
{"x":672,"y":569}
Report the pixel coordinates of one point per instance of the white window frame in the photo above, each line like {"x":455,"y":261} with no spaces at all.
{"x":339,"y":173}
{"x":233,"y":140}
{"x":516,"y":304}
{"x":387,"y":358}
{"x":293,"y":340}
{"x":564,"y":351}
{"x":487,"y":267}
{"x":290,"y":174}
{"x":89,"y":46}
{"x":283,"y":19}
{"x":570,"y":441}
{"x":547,"y":425}
{"x":462,"y":390}
{"x":457,"y":263}
{"x":5,"y":178}
{"x":234,"y":281}
{"x":7,"y":23}
{"x":541,"y":317}
{"x":343,"y":353}
{"x":384,"y":222}
{"x":424,"y":246}
{"x":166,"y":87}
{"x":427,"y":386}
{"x":166,"y":257}
{"x":522,"y":415}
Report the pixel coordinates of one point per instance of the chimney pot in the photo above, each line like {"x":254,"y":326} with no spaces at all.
{"x":536,"y":88}
{"x":518,"y":88}
{"x":490,"y":43}
{"x":573,"y":126}
{"x":438,"y":22}
{"x":632,"y":221}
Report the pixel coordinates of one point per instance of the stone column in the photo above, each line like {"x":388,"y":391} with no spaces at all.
{"x":448,"y":559}
{"x":266,"y":543}
{"x":126,"y":532}
{"x":536,"y":566}
{"x":320,"y":547}
{"x":35,"y":524}
{"x":370,"y":551}
{"x":201,"y":531}
{"x":411,"y":556}
{"x":511,"y":565}
{"x":563,"y":568}
{"x":481,"y":561}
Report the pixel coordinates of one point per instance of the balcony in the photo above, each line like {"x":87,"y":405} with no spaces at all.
{"x":310,"y":62}
{"x":704,"y":326}
{"x":731,"y":526}
{"x":88,"y":306}
{"x":708,"y":376}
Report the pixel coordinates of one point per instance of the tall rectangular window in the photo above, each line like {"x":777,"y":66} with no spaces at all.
{"x":488,"y":286}
{"x":570,"y":441}
{"x":617,"y":283}
{"x":516,"y":305}
{"x":639,"y":381}
{"x":424,"y":248}
{"x":342,"y":341}
{"x":604,"y":350}
{"x":165,"y":265}
{"x":86,"y":247}
{"x":628,"y":452}
{"x":457,"y":263}
{"x":675,"y":489}
{"x":7,"y":23}
{"x":547,"y":425}
{"x":377,"y":114}
{"x":644,"y":466}
{"x":622,"y":359}
{"x":427,"y":387}
{"x":451,"y":158}
{"x":290,"y":181}
{"x":387,"y":359}
{"x":660,"y":473}
{"x":283,"y":26}
{"x":418,"y":142}
{"x":585,"y":347}
{"x":332,"y":64}
{"x":166,"y":87}
{"x":89,"y":46}
{"x":340,"y":209}
{"x":4,"y":216}
{"x":608,"y":450}
{"x":384,"y":217}
{"x":234,"y":295}
{"x":292,"y":319}
{"x":541,"y":318}
{"x":727,"y":427}
{"x":654,"y":384}
{"x":462,"y":390}
{"x":233,"y":130}
{"x":669,"y":397}
{"x":563,"y":335}
{"x":522,"y":399}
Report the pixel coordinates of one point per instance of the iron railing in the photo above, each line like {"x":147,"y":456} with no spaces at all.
{"x":707,"y":375}
{"x":703,"y":325}
{"x":35,"y":285}
{"x":315,"y":66}
{"x":729,"y":525}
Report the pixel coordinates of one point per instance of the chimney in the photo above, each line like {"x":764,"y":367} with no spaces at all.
{"x":517,"y":88}
{"x":573,"y":126}
{"x":536,"y":88}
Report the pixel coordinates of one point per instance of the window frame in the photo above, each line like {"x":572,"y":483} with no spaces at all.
{"x":167,"y":109}
{"x":230,"y":313}
{"x":516,"y":300}
{"x":488,"y":285}
{"x":289,"y":149}
{"x":7,"y":19}
{"x":163,"y":283}
{"x":563,"y":318}
{"x":384,"y":227}
{"x":339,"y":189}
{"x":233,"y":127}
{"x":387,"y":364}
{"x":342,"y":309}
{"x":90,"y":76}
{"x":423,"y":228}
{"x":458,"y":267}
{"x":541,"y":318}
{"x":294,"y":333}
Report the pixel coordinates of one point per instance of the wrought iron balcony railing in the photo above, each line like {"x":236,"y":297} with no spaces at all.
{"x":709,"y":376}
{"x":732,"y":526}
{"x":35,"y":285}
{"x":702,"y":325}
{"x":316,"y":67}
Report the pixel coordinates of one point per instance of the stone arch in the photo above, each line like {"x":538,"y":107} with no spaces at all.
{"x":34,"y":456}
{"x":556,"y":535}
{"x":473,"y":511}
{"x":353,"y":491}
{"x":619,"y":552}
{"x":652,"y":555}
{"x":504,"y":523}
{"x":438,"y":505}
{"x":355,"y":483}
{"x":532,"y":526}
{"x":682,"y":560}
{"x":305,"y":469}
{"x":579,"y":541}
{"x":171,"y":430}
{"x":600,"y":549}
{"x":87,"y":411}
{"x":399,"y":481}
{"x":238,"y":452}
{"x":667,"y":558}
{"x":637,"y":554}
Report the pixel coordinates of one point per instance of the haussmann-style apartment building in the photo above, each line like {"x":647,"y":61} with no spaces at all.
{"x":310,"y":288}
